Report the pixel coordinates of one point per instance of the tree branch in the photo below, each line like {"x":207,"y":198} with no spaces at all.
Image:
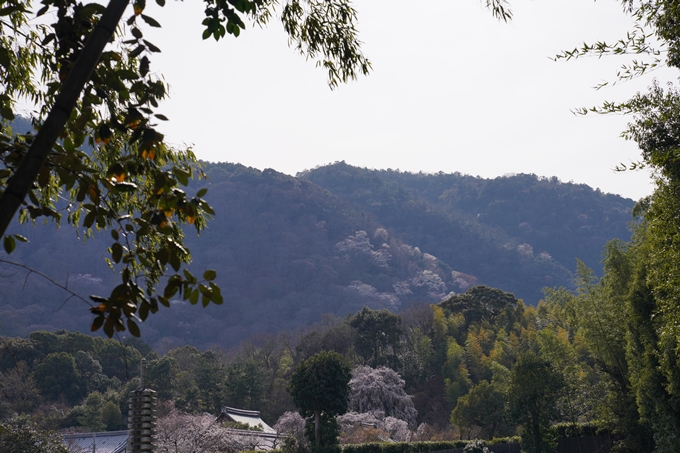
{"x":27,"y":172}
{"x":55,"y":283}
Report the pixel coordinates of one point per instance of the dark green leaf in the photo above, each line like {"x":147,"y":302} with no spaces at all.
{"x":171,"y":289}
{"x":143,"y":311}
{"x":151,"y":21}
{"x":89,"y":219}
{"x":175,"y":261}
{"x":9,"y":244}
{"x":181,"y":175}
{"x":108,"y":327}
{"x":97,"y":323}
{"x":202,"y":192}
{"x":217,"y":294}
{"x":151,"y":47}
{"x":135,"y":53}
{"x":125,"y":186}
{"x":133,"y":328}
{"x":209,"y":275}
{"x":116,"y":252}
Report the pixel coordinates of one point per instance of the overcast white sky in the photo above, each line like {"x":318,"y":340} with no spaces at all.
{"x":452,"y":90}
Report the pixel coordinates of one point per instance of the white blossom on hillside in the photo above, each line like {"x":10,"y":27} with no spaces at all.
{"x":381,"y":233}
{"x":381,"y":389}
{"x":388,"y":300}
{"x":360,"y":244}
{"x":432,"y":283}
{"x":402,"y":289}
{"x":525,"y":249}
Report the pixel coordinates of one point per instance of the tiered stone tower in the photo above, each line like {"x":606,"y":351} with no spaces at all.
{"x":142,"y":417}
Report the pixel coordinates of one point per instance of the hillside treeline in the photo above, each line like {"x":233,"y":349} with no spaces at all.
{"x":479,"y":364}
{"x":330,"y":241}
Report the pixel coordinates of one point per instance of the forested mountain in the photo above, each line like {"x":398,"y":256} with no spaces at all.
{"x":289,"y":249}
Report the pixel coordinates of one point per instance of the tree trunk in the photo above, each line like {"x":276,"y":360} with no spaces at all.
{"x":27,"y":172}
{"x":317,"y":427}
{"x":536,"y":425}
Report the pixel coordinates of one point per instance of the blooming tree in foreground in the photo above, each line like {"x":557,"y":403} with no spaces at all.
{"x":381,"y":389}
{"x":182,"y":433}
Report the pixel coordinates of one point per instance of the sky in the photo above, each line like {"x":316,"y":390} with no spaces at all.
{"x":452,"y":89}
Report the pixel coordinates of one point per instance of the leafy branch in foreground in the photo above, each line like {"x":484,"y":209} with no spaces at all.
{"x":91,"y":83}
{"x":131,"y":182}
{"x":636,"y":42}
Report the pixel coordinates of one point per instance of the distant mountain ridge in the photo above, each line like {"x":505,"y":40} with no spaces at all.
{"x":331,"y":240}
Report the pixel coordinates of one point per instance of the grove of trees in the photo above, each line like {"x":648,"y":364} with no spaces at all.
{"x":478,"y":365}
{"x":604,"y":354}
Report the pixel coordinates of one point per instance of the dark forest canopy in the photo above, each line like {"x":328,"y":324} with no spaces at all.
{"x":332,"y":240}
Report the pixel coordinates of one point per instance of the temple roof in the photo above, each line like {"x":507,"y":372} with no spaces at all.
{"x":105,"y":442}
{"x":250,"y":418}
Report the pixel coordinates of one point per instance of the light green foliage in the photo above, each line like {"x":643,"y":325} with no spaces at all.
{"x":417,"y":357}
{"x":483,"y":406}
{"x":534,"y":390}
{"x":112,"y":418}
{"x":641,"y":283}
{"x":652,"y":378}
{"x":455,"y":373}
{"x":91,"y":412}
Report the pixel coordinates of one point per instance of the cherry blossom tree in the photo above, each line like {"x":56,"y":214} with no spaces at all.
{"x":182,"y":433}
{"x":291,"y":425}
{"x":381,"y":389}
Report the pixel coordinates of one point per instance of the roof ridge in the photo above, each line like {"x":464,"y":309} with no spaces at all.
{"x":99,"y":434}
{"x":233,"y":410}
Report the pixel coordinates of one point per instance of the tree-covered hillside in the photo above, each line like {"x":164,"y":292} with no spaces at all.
{"x":565,"y":220}
{"x":289,"y":249}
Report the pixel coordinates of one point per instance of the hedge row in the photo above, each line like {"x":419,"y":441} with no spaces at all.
{"x":403,"y":447}
{"x":413,"y":447}
{"x":562,"y":430}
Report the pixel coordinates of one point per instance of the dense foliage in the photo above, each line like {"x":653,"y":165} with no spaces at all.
{"x":319,"y":387}
{"x":484,"y":360}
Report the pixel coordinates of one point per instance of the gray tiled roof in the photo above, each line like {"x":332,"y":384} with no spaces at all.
{"x":106,"y":442}
{"x":251,"y":418}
